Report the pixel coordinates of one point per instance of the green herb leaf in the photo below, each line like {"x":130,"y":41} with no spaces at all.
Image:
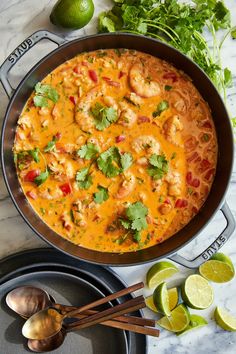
{"x":86,"y":184}
{"x":40,"y":101}
{"x":88,"y":151}
{"x":228,"y":77}
{"x":126,"y":160}
{"x":101,"y":196}
{"x":109,"y":162}
{"x":125,"y":223}
{"x":159,"y":166}
{"x":103,"y":116}
{"x":136,"y":211}
{"x":161,"y":107}
{"x":83,"y":179}
{"x":233,"y":32}
{"x":35,"y":154}
{"x":168,"y":87}
{"x":47,"y":91}
{"x":51,"y":145}
{"x":82,"y":174}
{"x":41,"y":178}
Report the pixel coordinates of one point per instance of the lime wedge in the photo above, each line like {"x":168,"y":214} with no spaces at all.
{"x":173,"y":300}
{"x":218,"y":269}
{"x":196,"y":321}
{"x":224,"y":319}
{"x":177,"y":321}
{"x":159,"y":272}
{"x":197,"y":292}
{"x":161,"y":299}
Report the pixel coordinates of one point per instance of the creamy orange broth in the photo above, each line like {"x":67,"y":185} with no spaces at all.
{"x":158,"y":112}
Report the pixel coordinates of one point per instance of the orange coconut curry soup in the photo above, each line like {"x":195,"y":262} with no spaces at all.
{"x":116,"y":150}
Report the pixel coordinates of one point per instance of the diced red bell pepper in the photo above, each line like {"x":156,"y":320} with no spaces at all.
{"x":66,"y":188}
{"x":58,"y":136}
{"x":195,"y":183}
{"x":170,"y":76}
{"x":143,"y":119}
{"x":72,"y":99}
{"x":189,"y":177}
{"x":111,"y":82}
{"x":31,"y":194}
{"x":120,"y":138}
{"x":31,"y":175}
{"x":204,"y":165}
{"x":209,"y":174}
{"x":181,"y":203}
{"x":93,"y":76}
{"x":121,"y":74}
{"x":207,"y":125}
{"x":77,"y":69}
{"x":167,"y":201}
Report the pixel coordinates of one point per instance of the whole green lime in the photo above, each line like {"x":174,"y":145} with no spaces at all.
{"x":73,"y":14}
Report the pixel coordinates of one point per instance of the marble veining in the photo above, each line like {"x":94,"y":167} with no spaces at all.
{"x":19,"y":19}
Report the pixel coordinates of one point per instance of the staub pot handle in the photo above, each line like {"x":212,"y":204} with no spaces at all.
{"x":214,"y":247}
{"x":23,"y":48}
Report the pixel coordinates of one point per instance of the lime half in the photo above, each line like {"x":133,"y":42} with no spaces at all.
{"x":224,"y":319}
{"x":196,"y":321}
{"x":173,"y":300}
{"x":177,"y":321}
{"x":218,"y":269}
{"x":159,"y":272}
{"x":161,"y":299}
{"x":197,"y":292}
{"x":72,"y":14}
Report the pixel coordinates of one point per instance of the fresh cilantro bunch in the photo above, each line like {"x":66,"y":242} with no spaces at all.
{"x":158,"y":166}
{"x":111,"y":162}
{"x":135,"y":220}
{"x":178,"y":24}
{"x":103,"y":116}
{"x":44,"y":93}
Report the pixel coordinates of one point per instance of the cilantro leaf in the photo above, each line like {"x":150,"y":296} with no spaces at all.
{"x":103,"y":116}
{"x":51,"y":144}
{"x":137,"y":236}
{"x":136,"y":210}
{"x":161,"y":107}
{"x":111,"y":162}
{"x":101,"y":196}
{"x":125,"y":223}
{"x":43,"y":94}
{"x":88,"y":151}
{"x":42,"y":177}
{"x":139,"y":224}
{"x":47,"y":91}
{"x":126,"y":160}
{"x":83,"y":178}
{"x":228,"y":77}
{"x":158,"y":166}
{"x":35,"y":154}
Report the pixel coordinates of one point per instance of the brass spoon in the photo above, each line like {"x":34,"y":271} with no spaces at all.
{"x":48,"y":344}
{"x":28,"y":300}
{"x":48,"y":322}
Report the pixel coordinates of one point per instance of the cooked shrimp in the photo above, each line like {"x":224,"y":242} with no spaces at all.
{"x":174,"y":181}
{"x":141,"y":85}
{"x":172,"y":127}
{"x":50,"y":194}
{"x":165,"y":208}
{"x":180,"y":100}
{"x":110,"y":102}
{"x":127,"y":186}
{"x":24,"y":122}
{"x":146,"y":143}
{"x":66,"y":221}
{"x":127,"y":118}
{"x":82,"y":116}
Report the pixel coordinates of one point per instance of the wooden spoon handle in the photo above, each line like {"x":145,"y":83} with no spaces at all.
{"x":105,"y":299}
{"x":112,"y":312}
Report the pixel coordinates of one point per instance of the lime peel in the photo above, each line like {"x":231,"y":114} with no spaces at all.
{"x":177,"y":321}
{"x":196,"y":321}
{"x":173,"y":300}
{"x":161,"y":299}
{"x":218,"y":269}
{"x":159,"y":272}
{"x":224,"y":319}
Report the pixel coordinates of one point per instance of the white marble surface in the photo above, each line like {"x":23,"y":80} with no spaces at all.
{"x":20,"y":18}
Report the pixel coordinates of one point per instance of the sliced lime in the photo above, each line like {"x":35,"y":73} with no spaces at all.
{"x":161,"y":299}
{"x":159,"y":272}
{"x":196,"y":321}
{"x":197,"y":292}
{"x":177,"y":321}
{"x":173,"y":300}
{"x":225,"y":320}
{"x":218,"y":269}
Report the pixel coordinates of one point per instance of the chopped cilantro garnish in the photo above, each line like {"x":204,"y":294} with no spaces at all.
{"x":35,"y":154}
{"x":43,"y":94}
{"x":173,"y":156}
{"x":161,"y":107}
{"x":158,"y":166}
{"x":111,"y":162}
{"x":88,"y":151}
{"x":101,"y":196}
{"x":168,"y":87}
{"x":103,"y":116}
{"x":83,"y":178}
{"x":135,"y":219}
{"x":42,"y":177}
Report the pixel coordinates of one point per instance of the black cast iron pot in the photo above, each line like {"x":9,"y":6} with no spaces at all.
{"x":67,"y":50}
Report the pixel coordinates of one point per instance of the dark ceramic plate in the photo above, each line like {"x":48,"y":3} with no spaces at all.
{"x":62,"y":276}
